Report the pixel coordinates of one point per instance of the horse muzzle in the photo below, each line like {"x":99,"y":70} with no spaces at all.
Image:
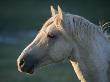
{"x":25,"y":63}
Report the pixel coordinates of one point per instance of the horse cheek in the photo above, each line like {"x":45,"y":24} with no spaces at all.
{"x":60,"y":51}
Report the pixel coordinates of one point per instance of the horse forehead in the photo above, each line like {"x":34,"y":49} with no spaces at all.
{"x":51,"y":19}
{"x":46,"y":27}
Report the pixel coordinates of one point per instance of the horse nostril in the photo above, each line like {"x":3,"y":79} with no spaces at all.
{"x":25,"y":64}
{"x":21,"y":64}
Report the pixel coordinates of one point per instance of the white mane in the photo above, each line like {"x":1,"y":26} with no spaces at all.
{"x":79,"y":25}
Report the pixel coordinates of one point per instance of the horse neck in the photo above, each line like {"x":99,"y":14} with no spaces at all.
{"x":90,"y":52}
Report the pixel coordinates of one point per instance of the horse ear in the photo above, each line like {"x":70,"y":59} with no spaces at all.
{"x":60,"y":12}
{"x":53,"y":11}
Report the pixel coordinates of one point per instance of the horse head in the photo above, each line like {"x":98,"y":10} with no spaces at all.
{"x":49,"y":46}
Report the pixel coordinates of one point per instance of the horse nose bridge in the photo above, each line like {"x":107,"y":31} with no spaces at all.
{"x":24,"y":55}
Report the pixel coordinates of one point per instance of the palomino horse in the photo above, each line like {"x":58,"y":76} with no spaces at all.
{"x":72,"y":37}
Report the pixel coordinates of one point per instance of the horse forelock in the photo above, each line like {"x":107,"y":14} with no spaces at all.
{"x":50,"y":21}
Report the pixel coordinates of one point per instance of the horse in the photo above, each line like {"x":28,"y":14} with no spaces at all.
{"x":72,"y":37}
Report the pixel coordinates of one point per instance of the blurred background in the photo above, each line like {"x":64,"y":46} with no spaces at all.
{"x":19,"y":22}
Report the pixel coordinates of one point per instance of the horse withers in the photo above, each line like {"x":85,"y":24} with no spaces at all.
{"x":72,"y":37}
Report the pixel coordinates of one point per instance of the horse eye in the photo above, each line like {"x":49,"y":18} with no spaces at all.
{"x":51,"y":36}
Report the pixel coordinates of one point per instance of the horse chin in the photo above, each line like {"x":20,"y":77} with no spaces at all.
{"x":31,"y":71}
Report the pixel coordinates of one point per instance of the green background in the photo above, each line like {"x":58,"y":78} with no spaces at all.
{"x":19,"y":22}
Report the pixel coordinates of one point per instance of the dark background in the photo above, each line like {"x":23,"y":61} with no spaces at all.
{"x":26,"y":14}
{"x":19,"y":22}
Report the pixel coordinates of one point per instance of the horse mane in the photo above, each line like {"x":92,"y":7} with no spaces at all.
{"x":81,"y":28}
